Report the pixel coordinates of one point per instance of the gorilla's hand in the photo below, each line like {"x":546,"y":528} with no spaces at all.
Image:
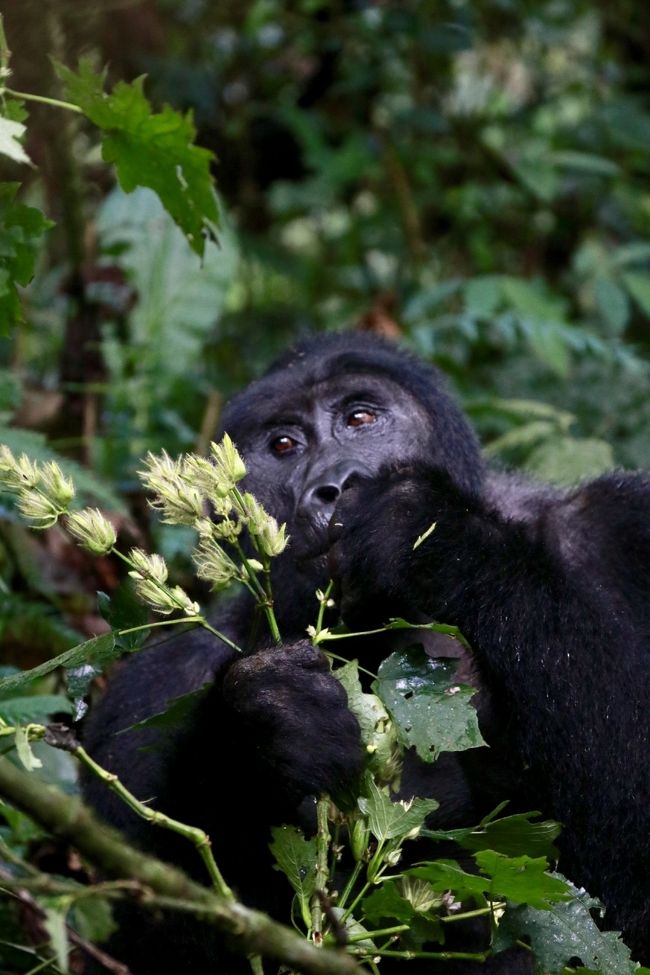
{"x":377,"y":567}
{"x":295,"y":713}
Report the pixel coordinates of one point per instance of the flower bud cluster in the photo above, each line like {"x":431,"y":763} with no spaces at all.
{"x":92,"y":530}
{"x":43,"y":492}
{"x":149,"y":573}
{"x":186,"y":490}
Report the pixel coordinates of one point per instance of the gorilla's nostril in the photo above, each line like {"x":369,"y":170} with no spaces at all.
{"x":328,"y":493}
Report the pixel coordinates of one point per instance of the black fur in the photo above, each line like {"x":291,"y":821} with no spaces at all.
{"x":550,"y":587}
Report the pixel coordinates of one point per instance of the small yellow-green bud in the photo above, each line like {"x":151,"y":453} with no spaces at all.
{"x":228,"y":460}
{"x":184,"y":602}
{"x":147,"y":566}
{"x":359,"y":839}
{"x":37,"y":509}
{"x":272,"y":540}
{"x":213,"y":564}
{"x":180,"y":501}
{"x":92,"y":530}
{"x":56,"y":485}
{"x":17,"y":473}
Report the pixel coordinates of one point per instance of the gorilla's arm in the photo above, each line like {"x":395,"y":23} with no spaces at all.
{"x":555,"y":604}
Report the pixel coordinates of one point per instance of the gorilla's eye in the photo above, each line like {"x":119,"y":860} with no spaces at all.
{"x":360,"y":418}
{"x":281,"y":445}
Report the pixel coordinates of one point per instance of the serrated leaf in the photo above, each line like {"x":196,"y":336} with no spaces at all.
{"x":388,"y":903}
{"x":154,"y":149}
{"x":430,"y":709}
{"x":392,"y":820}
{"x":562,"y":933}
{"x":36,"y":709}
{"x":295,"y":857}
{"x":11,"y":134}
{"x":24,"y":750}
{"x":55,"y":926}
{"x":512,"y":835}
{"x":447,"y":875}
{"x":96,"y":653}
{"x":522,"y":879}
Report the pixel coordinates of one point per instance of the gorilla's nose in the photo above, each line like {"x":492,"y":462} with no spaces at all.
{"x":324,"y":487}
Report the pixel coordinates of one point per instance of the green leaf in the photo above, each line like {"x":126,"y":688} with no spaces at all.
{"x":11,"y":135}
{"x":548,"y":342}
{"x":585,"y":162}
{"x":154,"y":149}
{"x":55,"y":926}
{"x":123,"y":611}
{"x":430,"y":709}
{"x":36,"y":709}
{"x":638,"y":285}
{"x":406,"y":901}
{"x":447,"y":875}
{"x":24,"y":750}
{"x":96,"y":654}
{"x":483,"y":295}
{"x":378,"y":732}
{"x":612,"y":303}
{"x":174,"y":713}
{"x":295,"y":857}
{"x":512,"y":835}
{"x":522,"y":879}
{"x":566,"y":460}
{"x":21,"y":230}
{"x":565,"y":931}
{"x":391,"y":820}
{"x":92,"y":918}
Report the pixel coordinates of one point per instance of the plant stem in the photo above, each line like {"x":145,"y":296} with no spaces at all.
{"x":364,"y":935}
{"x":322,"y":873}
{"x":44,"y":100}
{"x":198,"y":837}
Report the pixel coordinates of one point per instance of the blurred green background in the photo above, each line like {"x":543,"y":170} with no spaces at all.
{"x":469,"y":176}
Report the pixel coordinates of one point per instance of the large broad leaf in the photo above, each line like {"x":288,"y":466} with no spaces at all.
{"x":639,"y":287}
{"x":565,"y":932}
{"x":430,"y":709}
{"x":34,"y":709}
{"x":154,"y":149}
{"x":21,"y":230}
{"x":296,"y":858}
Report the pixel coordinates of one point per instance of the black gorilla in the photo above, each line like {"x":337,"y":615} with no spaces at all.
{"x":550,"y":587}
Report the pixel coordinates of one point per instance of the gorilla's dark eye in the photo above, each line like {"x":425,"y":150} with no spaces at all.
{"x":281,"y":445}
{"x":360,"y":418}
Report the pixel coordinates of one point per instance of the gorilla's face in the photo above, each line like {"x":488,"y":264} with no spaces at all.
{"x":306,"y":447}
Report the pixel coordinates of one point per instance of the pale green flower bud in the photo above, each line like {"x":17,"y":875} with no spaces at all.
{"x":184,"y":602}
{"x":37,"y":509}
{"x":56,"y":485}
{"x":214,"y":565}
{"x":158,"y":597}
{"x":92,"y":530}
{"x":359,"y":839}
{"x":228,"y":460}
{"x":147,"y":566}
{"x":180,"y":501}
{"x":17,"y":473}
{"x":273,"y":539}
{"x":210,"y":479}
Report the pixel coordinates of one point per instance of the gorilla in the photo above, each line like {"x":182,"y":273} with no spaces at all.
{"x":358,"y":447}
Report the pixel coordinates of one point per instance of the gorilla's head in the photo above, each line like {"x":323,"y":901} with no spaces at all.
{"x":336,"y":408}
